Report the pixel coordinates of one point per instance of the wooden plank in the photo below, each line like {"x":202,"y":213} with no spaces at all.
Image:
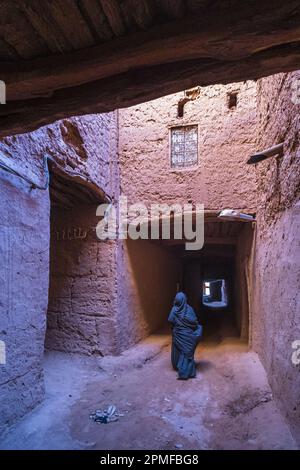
{"x":135,"y":87}
{"x":220,"y":240}
{"x":68,"y":18}
{"x":208,"y":39}
{"x":7,"y":52}
{"x":75,"y":178}
{"x":127,"y":16}
{"x":95,"y":17}
{"x":208,"y":251}
{"x":72,"y":191}
{"x":60,"y":23}
{"x":113,"y":13}
{"x":83,"y":193}
{"x":173,"y":8}
{"x":18,"y":33}
{"x":42,"y":20}
{"x":207,"y":241}
{"x":212,"y":252}
{"x":90,"y":196}
{"x":196,"y":5}
{"x":143,"y":12}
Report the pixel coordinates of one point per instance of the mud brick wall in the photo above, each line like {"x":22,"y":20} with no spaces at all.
{"x":24,"y":262}
{"x":83,"y":288}
{"x":87,"y":144}
{"x":276,"y":296}
{"x":226,"y":138}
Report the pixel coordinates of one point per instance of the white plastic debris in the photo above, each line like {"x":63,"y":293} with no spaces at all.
{"x":108,"y":415}
{"x":231,"y":214}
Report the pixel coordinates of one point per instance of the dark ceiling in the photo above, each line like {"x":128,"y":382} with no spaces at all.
{"x":69,"y":57}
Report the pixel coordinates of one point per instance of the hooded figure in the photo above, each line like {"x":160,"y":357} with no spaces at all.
{"x":185,"y":337}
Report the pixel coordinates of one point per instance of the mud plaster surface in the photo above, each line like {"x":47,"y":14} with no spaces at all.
{"x":228,"y":406}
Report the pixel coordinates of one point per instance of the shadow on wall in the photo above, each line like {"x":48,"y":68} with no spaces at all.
{"x":149,"y":284}
{"x":24,"y":261}
{"x":82,"y":294}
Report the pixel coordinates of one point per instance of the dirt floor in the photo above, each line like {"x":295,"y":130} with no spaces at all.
{"x":228,"y":405}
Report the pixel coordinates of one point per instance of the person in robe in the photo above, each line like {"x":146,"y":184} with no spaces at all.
{"x":186,"y":334}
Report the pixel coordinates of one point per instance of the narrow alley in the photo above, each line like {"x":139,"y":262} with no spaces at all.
{"x":229,"y":405}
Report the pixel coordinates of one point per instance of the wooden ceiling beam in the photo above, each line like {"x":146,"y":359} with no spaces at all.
{"x":72,"y":191}
{"x":211,"y":251}
{"x":207,"y":241}
{"x":113,"y":13}
{"x":18,"y":33}
{"x":41,"y":19}
{"x":77,"y":179}
{"x":173,"y":8}
{"x":137,"y":86}
{"x":94,"y":15}
{"x":211,"y":38}
{"x":221,"y":44}
{"x":143,"y":12}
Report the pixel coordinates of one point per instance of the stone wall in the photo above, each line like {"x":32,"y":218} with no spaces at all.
{"x":276,"y":301}
{"x":87,"y":144}
{"x":226,"y":137}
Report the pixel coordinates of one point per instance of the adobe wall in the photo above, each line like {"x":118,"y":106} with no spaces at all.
{"x":276,"y":298}
{"x":226,"y":139}
{"x":83,"y":288}
{"x":87,"y":144}
{"x":242,"y":285}
{"x":24,"y":255}
{"x":82,"y":294}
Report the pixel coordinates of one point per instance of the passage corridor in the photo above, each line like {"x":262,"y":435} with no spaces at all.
{"x":228,"y":405}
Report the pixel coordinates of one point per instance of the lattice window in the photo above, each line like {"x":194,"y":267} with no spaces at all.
{"x":184,"y":146}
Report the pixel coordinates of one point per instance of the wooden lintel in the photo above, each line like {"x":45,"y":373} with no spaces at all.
{"x":85,"y":182}
{"x":207,"y":241}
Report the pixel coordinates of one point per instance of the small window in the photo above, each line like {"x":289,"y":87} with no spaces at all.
{"x":215,"y":293}
{"x":184,"y":146}
{"x":232,"y":99}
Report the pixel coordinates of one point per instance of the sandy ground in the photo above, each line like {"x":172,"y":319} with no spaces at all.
{"x":228,"y":405}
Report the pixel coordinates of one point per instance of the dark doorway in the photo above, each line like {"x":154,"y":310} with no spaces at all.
{"x":208,"y":282}
{"x":222,"y":267}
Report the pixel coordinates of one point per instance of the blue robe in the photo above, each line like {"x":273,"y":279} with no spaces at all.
{"x":186,"y":335}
